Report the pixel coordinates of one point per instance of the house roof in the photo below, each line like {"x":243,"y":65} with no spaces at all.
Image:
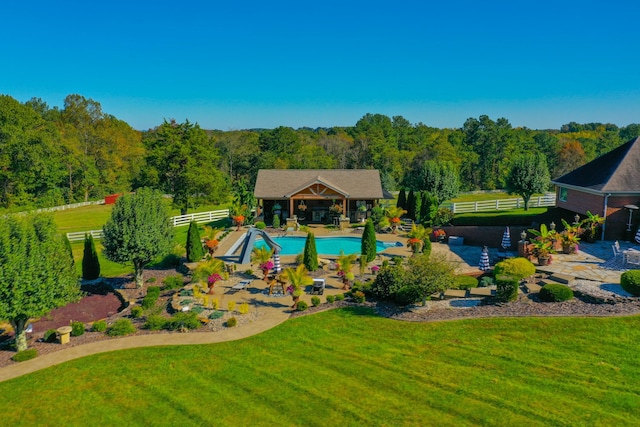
{"x":353,"y":183}
{"x":617,"y":171}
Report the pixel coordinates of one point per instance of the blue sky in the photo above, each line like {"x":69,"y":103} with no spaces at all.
{"x":264,"y":64}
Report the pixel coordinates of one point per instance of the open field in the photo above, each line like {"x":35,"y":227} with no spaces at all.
{"x":329,"y":369}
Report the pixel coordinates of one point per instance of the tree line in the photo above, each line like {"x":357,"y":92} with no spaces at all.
{"x":52,"y":156}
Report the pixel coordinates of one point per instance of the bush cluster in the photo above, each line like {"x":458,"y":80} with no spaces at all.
{"x":121,"y":327}
{"x":301,"y":306}
{"x":507,"y":288}
{"x":518,"y":268}
{"x":173,"y":282}
{"x":388,"y":281}
{"x":99,"y":326}
{"x":149,"y":300}
{"x":555,"y":292}
{"x":465,"y":282}
{"x":331,"y":299}
{"x":340,"y":297}
{"x":77,"y":329}
{"x":155,"y":322}
{"x":630,"y":282}
{"x":315,"y":300}
{"x":358,"y":296}
{"x":136,"y":311}
{"x":183,"y":320}
{"x":406,"y":295}
{"x":23,"y":355}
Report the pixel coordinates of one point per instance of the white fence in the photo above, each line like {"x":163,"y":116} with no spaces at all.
{"x":71,"y":206}
{"x":548,"y":199}
{"x":176,"y":221}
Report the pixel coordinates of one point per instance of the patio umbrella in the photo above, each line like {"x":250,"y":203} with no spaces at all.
{"x":637,"y":238}
{"x":506,"y":239}
{"x":484,"y":259}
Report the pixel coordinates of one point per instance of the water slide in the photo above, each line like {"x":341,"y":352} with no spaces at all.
{"x":247,"y":247}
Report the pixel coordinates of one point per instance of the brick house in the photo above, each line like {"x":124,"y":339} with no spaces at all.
{"x":310,"y":193}
{"x":605,"y":186}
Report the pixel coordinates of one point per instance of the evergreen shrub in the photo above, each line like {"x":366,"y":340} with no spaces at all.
{"x":630,"y":282}
{"x":155,"y":322}
{"x":487,"y":281}
{"x":216,"y":315}
{"x":77,"y":329}
{"x":331,"y":299}
{"x":310,"y":254}
{"x":301,"y":306}
{"x":340,"y":297}
{"x":507,"y":288}
{"x":136,"y":311}
{"x":518,"y":268}
{"x":99,"y":326}
{"x":406,"y":295}
{"x":232,"y":322}
{"x":260,"y":225}
{"x":90,"y":262}
{"x":276,"y":221}
{"x":174,"y":281}
{"x":358,"y":296}
{"x":121,"y":327}
{"x":315,"y":300}
{"x":183,"y":320}
{"x":195,"y":250}
{"x":555,"y":292}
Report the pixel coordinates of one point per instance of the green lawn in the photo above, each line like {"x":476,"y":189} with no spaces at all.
{"x":329,"y":369}
{"x":94,"y":217}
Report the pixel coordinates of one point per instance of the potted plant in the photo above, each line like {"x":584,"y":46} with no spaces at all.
{"x":345,"y":263}
{"x":440,"y":235}
{"x":393,"y":213}
{"x":569,"y":237}
{"x":543,"y":244}
{"x":591,"y":225}
{"x":262,"y":256}
{"x":415,"y":244}
{"x":298,"y":280}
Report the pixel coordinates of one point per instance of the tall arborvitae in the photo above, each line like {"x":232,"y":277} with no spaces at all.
{"x":411,"y":205}
{"x":90,"y":262}
{"x":310,"y":256}
{"x":402,"y":199}
{"x":195,"y":251}
{"x":67,"y":244}
{"x":368,"y":246}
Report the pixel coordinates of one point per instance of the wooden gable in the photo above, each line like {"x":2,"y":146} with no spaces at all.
{"x":317,"y":191}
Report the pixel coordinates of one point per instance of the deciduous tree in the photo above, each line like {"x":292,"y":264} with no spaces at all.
{"x":138,"y":230}
{"x":528,"y":175}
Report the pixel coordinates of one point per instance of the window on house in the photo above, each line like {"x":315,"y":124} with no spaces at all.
{"x":563,"y":194}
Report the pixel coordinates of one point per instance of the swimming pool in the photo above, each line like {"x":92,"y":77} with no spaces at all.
{"x":294,"y":245}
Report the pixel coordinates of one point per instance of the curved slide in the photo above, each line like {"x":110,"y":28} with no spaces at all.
{"x":249,"y":240}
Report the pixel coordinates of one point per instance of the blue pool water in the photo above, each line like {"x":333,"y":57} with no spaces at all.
{"x":292,"y":245}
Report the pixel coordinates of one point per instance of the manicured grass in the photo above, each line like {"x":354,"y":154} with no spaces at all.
{"x":94,"y":217}
{"x":513,"y":217}
{"x":329,"y":369}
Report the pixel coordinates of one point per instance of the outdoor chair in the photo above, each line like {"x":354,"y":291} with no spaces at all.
{"x":318,"y":287}
{"x":616,"y":250}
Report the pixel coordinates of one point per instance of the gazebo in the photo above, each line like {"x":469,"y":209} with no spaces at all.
{"x":318,"y":195}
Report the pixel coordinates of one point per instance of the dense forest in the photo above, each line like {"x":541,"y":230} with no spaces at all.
{"x":52,"y":156}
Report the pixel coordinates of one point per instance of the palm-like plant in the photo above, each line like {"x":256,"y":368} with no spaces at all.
{"x":211,"y":268}
{"x":569,"y":236}
{"x":591,"y":224}
{"x":345,"y":263}
{"x":419,"y":231}
{"x":393,"y":213}
{"x":262,"y":256}
{"x":298,"y":279}
{"x":543,"y":243}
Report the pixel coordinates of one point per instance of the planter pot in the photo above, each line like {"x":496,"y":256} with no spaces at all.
{"x":567,"y":249}
{"x":543,"y":260}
